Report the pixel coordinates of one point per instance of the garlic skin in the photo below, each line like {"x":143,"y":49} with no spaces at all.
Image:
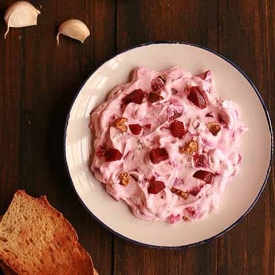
{"x":73,"y":28}
{"x":20,"y":14}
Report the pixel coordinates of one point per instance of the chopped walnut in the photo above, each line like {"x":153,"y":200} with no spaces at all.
{"x":185,"y":218}
{"x":179,"y":193}
{"x":124,"y":178}
{"x":154,"y":97}
{"x":119,"y":124}
{"x":190,"y":148}
{"x":213,"y":127}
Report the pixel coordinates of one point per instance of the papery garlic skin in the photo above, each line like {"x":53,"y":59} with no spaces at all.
{"x":75,"y":29}
{"x":20,"y":14}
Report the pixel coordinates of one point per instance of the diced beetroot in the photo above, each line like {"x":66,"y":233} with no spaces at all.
{"x":159,"y":154}
{"x":148,"y":126}
{"x":207,"y":76}
{"x":174,"y":218}
{"x":194,"y":192}
{"x":191,"y":210}
{"x":101,"y":152}
{"x":135,"y":128}
{"x":155,"y":186}
{"x":113,"y":155}
{"x":209,"y":115}
{"x":174,"y":91}
{"x":153,"y":97}
{"x":199,"y":160}
{"x":136,"y":96}
{"x":203,"y":175}
{"x":157,"y":83}
{"x":196,"y":96}
{"x":177,"y":129}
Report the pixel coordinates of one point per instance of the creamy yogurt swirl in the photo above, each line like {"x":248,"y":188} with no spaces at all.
{"x":166,"y":144}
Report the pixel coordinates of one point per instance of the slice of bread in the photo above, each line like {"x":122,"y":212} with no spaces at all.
{"x":5,"y":268}
{"x":8,"y":271}
{"x":35,"y":239}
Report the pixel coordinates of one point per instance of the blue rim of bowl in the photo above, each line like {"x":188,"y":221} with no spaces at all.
{"x":267,"y":173}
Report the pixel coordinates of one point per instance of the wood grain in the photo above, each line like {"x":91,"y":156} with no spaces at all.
{"x":10,"y":107}
{"x":149,"y":21}
{"x":246,"y":37}
{"x":39,"y":81}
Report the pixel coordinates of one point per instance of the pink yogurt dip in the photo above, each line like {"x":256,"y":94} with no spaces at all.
{"x":166,"y":178}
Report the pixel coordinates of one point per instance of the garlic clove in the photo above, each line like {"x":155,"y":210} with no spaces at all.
{"x":20,"y":14}
{"x":73,"y":28}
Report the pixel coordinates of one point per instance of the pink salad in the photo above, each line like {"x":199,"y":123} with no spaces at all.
{"x":166,"y":144}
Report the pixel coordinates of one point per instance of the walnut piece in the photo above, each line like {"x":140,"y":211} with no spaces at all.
{"x":124,"y":178}
{"x":190,"y":148}
{"x":179,"y":193}
{"x":119,"y":124}
{"x":154,"y":97}
{"x":185,"y":218}
{"x":213,"y":127}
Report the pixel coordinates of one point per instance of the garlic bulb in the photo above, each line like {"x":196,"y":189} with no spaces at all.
{"x":75,"y":29}
{"x":20,"y":14}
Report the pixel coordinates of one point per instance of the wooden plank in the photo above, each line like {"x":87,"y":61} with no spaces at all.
{"x":247,"y":38}
{"x":40,"y":83}
{"x":11,"y":64}
{"x":147,"y":21}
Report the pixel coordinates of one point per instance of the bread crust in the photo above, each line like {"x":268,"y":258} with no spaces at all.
{"x":35,"y":239}
{"x":6,"y":269}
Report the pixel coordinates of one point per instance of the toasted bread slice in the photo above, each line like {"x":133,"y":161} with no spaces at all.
{"x":35,"y":239}
{"x":8,"y":271}
{"x":5,"y":268}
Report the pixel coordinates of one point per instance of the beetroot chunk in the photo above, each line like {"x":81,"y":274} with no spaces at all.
{"x":112,"y":155}
{"x":135,"y":128}
{"x":203,"y":175}
{"x":196,"y":97}
{"x":177,"y":129}
{"x":136,"y":96}
{"x":159,"y":154}
{"x":199,"y":160}
{"x":155,"y":186}
{"x":194,"y":192}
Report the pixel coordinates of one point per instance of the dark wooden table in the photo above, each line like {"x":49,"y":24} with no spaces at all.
{"x":39,"y":80}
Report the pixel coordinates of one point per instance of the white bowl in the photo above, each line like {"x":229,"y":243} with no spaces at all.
{"x":240,"y":195}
